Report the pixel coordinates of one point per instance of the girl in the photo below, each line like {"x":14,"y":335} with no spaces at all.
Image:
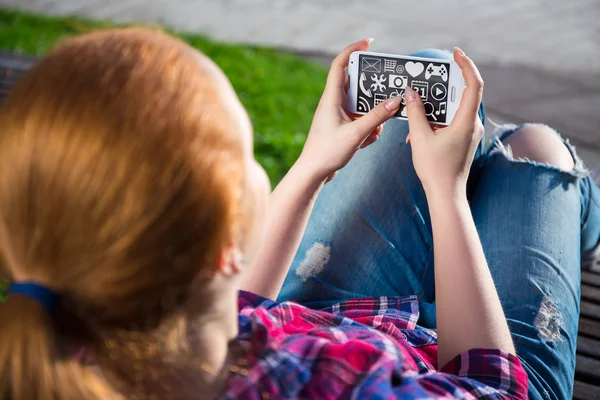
{"x":142,"y":247}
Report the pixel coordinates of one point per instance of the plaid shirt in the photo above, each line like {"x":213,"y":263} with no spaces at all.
{"x":360,"y":349}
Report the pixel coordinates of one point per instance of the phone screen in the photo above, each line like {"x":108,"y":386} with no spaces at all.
{"x":380,"y":78}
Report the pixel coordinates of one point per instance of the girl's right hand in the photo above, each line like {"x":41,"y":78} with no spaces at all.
{"x":442,"y":159}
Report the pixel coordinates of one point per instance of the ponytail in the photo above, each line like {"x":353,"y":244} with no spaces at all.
{"x":32,"y":366}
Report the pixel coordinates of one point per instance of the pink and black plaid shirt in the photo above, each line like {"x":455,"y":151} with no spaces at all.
{"x":360,"y":349}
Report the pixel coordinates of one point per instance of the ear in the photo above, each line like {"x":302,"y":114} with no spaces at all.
{"x":231,"y":261}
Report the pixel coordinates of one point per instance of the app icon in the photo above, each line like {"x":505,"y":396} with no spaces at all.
{"x":398,"y":81}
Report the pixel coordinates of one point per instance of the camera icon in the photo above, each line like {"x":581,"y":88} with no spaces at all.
{"x":398,"y":81}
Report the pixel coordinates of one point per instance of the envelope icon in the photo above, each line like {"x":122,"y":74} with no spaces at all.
{"x":371,"y":64}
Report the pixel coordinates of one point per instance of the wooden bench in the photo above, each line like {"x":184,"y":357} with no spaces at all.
{"x":12,"y":67}
{"x":587,"y":373}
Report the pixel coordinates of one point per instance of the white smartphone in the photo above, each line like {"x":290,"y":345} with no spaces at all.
{"x":375,"y":77}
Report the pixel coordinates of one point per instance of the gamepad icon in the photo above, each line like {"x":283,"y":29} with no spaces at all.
{"x":440,"y":71}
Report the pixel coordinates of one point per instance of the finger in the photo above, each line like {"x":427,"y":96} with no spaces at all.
{"x":367,"y":142}
{"x":417,"y":120}
{"x":370,"y":140}
{"x":353,"y":116}
{"x":344,"y":92}
{"x":337,"y":71}
{"x":330,"y":177}
{"x":377,"y":116}
{"x":473,"y":93}
{"x":373,"y":137}
{"x":378,"y":130}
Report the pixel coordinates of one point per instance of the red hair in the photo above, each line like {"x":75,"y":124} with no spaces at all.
{"x":120,"y":182}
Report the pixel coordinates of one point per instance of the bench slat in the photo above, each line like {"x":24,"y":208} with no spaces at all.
{"x":588,"y":347}
{"x":590,"y":310}
{"x":12,"y":68}
{"x":590,"y":293}
{"x":589,"y":327}
{"x":585,"y":391}
{"x":590,"y":278}
{"x":587,"y":369}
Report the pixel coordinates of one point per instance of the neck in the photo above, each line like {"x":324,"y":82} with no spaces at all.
{"x":213,"y":331}
{"x":212,"y":342}
{"x":215,"y":328}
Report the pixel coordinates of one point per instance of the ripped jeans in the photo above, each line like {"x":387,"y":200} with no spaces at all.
{"x":370,"y":235}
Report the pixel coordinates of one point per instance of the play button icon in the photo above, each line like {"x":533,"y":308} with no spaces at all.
{"x":439,"y":91}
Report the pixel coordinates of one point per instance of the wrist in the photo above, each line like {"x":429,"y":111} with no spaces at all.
{"x":305,"y":173}
{"x":309,"y":171}
{"x":455,"y":192}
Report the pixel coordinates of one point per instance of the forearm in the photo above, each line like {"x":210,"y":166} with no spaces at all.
{"x":289,"y":208}
{"x":469,"y":313}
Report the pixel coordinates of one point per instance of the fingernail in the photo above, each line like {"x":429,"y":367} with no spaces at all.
{"x":459,"y":51}
{"x":370,"y":39}
{"x":410,"y":94}
{"x":393,"y":103}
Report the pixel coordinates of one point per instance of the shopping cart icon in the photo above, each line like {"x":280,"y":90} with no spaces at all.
{"x":390,"y":65}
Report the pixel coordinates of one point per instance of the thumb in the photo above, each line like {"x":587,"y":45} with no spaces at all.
{"x":377,"y":116}
{"x":417,"y":120}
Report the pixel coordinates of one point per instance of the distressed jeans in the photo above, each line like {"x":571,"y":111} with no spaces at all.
{"x":370,"y":235}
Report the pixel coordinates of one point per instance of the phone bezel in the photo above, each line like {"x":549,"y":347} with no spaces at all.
{"x":455,"y":79}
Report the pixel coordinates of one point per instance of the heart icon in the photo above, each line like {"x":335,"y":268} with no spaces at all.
{"x":414,"y":69}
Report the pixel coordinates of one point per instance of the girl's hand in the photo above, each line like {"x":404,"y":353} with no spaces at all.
{"x":443,"y":158}
{"x":335,"y":136}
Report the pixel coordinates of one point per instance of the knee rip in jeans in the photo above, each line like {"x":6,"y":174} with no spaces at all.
{"x":548,"y":321}
{"x":314,"y":261}
{"x":502,"y":132}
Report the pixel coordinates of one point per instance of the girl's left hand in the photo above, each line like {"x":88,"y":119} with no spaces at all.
{"x":335,"y":134}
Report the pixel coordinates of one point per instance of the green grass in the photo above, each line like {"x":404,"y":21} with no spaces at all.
{"x":280,"y":91}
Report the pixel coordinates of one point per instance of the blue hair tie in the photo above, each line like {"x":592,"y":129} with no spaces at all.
{"x":41,"y":294}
